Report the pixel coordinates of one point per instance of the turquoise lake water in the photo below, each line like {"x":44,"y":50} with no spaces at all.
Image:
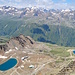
{"x":74,"y":51}
{"x":8,"y":64}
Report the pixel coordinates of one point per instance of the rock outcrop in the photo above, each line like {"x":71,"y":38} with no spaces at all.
{"x":19,"y":43}
{"x":68,"y":69}
{"x":3,"y":47}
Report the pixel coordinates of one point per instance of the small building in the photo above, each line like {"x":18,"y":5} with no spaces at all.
{"x":31,"y":66}
{"x":25,"y":57}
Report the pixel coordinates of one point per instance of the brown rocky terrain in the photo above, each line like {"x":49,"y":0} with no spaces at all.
{"x":19,"y":43}
{"x":68,"y":69}
{"x":24,"y":47}
{"x":28,"y":53}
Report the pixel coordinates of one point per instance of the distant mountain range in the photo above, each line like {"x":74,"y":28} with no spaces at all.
{"x":51,"y":16}
{"x":46,"y":25}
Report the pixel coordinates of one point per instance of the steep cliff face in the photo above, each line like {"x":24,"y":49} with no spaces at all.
{"x":3,"y":47}
{"x":19,"y":43}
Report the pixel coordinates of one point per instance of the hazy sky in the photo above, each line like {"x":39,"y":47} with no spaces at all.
{"x":58,"y":4}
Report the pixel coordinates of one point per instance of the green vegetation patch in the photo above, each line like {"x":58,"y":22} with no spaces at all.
{"x":3,"y":40}
{"x":39,"y":31}
{"x":59,"y":50}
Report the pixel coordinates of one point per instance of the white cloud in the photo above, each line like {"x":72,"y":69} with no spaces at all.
{"x":44,"y":3}
{"x":64,"y":0}
{"x":38,"y":3}
{"x":18,"y":0}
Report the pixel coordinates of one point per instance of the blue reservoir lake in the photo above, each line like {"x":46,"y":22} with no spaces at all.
{"x":8,"y":64}
{"x":74,"y":51}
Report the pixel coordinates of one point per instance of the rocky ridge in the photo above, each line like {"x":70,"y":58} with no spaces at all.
{"x":20,"y":42}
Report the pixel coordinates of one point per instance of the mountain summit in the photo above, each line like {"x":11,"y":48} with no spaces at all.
{"x":19,"y":43}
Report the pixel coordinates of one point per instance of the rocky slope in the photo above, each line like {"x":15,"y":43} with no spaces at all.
{"x":70,"y":68}
{"x":19,"y":43}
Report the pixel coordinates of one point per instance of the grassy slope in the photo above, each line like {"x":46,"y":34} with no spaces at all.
{"x":3,"y":40}
{"x":13,"y":26}
{"x":59,"y":51}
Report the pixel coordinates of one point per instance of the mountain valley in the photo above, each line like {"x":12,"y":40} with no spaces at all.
{"x":42,"y":41}
{"x":54,"y":26}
